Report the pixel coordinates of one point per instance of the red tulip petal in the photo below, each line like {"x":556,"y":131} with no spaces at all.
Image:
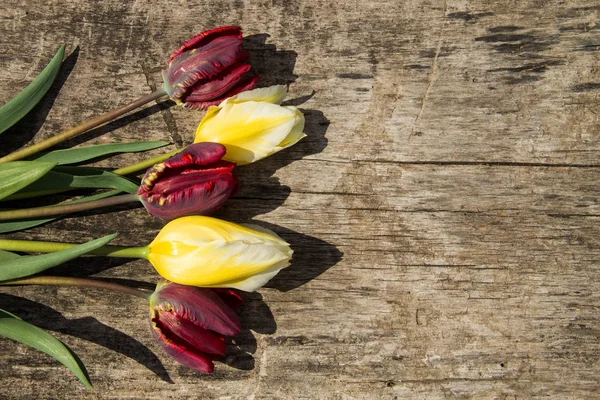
{"x":202,"y":38}
{"x":240,"y":86}
{"x":182,"y":352}
{"x":201,"y":306}
{"x":218,"y":86}
{"x":188,"y":334}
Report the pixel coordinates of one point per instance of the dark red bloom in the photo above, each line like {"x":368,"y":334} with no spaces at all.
{"x":191,"y":323}
{"x":193,"y":182}
{"x":208,"y":68}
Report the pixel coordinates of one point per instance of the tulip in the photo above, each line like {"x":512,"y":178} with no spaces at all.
{"x":197,"y":251}
{"x":208,"y":68}
{"x":190,"y":323}
{"x":205,"y":251}
{"x":193,"y":182}
{"x":252,"y":125}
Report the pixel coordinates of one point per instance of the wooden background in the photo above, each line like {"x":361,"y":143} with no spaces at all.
{"x":443,"y":208}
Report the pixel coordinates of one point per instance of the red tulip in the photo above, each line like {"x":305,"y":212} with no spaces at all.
{"x":208,"y":68}
{"x":191,"y":323}
{"x":193,"y":182}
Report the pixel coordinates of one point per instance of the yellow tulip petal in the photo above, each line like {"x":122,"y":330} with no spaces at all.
{"x":256,"y":281}
{"x":249,"y":130}
{"x":272,"y":94}
{"x":297,"y":132}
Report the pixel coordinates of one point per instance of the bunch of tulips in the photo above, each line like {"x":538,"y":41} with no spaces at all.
{"x":201,"y":260}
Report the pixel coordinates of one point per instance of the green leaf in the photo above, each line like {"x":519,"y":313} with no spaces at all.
{"x":22,"y":103}
{"x":12,"y":226}
{"x":18,"y":174}
{"x":30,"y":265}
{"x":61,"y":179}
{"x":15,"y":328}
{"x":7,"y":255}
{"x":80,"y":154}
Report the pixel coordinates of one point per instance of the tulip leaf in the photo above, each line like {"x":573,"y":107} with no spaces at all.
{"x":22,"y":103}
{"x":12,"y":226}
{"x":61,"y":179}
{"x":80,"y":154}
{"x":18,"y":174}
{"x":7,"y":255}
{"x":30,"y":265}
{"x":15,"y":328}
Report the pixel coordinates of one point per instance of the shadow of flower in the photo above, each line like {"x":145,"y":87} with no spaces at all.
{"x":86,"y":328}
{"x":275,"y":67}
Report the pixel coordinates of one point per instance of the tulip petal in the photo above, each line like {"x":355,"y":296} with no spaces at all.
{"x":244,"y":84}
{"x":187,"y":333}
{"x":215,"y":88}
{"x":249,"y":127}
{"x":197,"y":154}
{"x":205,"y":37}
{"x":296,"y":133}
{"x":272,"y":94}
{"x":181,"y":352}
{"x":257,"y":281}
{"x":202,"y":307}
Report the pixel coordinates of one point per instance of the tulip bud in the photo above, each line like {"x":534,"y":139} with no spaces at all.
{"x":208,"y":68}
{"x":252,"y":125}
{"x":204,"y":251}
{"x":190,"y":323}
{"x":193,"y":182}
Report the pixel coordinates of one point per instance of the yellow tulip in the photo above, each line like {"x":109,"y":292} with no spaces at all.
{"x":252,"y":125}
{"x":208,"y":252}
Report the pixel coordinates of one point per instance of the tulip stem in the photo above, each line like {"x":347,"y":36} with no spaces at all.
{"x":84,"y":127}
{"x":83,"y":282}
{"x":144,"y":164}
{"x":51,"y":247}
{"x":61,"y":209}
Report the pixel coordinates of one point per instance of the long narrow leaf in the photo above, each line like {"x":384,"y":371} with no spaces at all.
{"x":15,"y":328}
{"x":22,"y":103}
{"x":7,"y":255}
{"x":19,"y":174}
{"x":85,"y":153}
{"x":30,"y":265}
{"x":61,"y":179}
{"x":100,"y":178}
{"x":12,"y":226}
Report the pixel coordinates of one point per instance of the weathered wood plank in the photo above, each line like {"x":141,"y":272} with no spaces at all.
{"x":444,"y":208}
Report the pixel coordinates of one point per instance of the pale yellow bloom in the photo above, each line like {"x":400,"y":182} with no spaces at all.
{"x":208,"y":252}
{"x":252,"y":125}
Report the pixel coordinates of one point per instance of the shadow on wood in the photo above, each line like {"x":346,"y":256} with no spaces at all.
{"x":86,"y":328}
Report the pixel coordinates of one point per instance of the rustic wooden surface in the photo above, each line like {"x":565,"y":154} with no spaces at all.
{"x":443,"y":209}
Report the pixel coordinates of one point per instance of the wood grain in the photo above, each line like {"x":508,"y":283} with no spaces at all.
{"x":443,"y":208}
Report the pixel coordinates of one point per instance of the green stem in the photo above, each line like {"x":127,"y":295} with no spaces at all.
{"x":84,"y":282}
{"x":144,"y":164}
{"x":62,"y":209}
{"x":86,"y":126}
{"x":31,"y":246}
